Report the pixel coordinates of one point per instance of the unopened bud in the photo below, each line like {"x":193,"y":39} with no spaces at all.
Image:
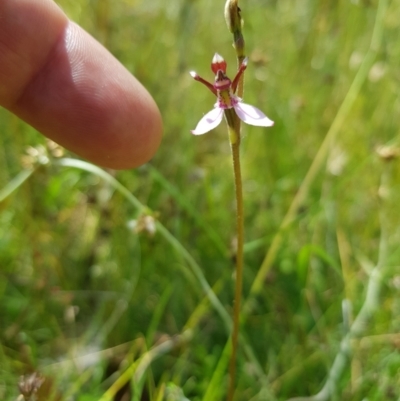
{"x":234,"y":22}
{"x":232,"y":16}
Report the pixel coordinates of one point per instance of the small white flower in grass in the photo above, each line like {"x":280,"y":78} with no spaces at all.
{"x":225,"y":90}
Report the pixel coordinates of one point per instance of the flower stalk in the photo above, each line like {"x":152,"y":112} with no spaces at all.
{"x":234,"y":21}
{"x":234,"y":137}
{"x":229,"y":104}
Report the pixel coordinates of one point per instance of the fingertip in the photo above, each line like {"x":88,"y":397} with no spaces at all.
{"x":137,"y":139}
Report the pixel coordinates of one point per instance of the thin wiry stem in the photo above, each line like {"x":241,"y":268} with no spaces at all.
{"x":175,"y":244}
{"x":234,"y":21}
{"x":235,"y":147}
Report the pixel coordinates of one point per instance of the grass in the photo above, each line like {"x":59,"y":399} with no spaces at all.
{"x":107,"y":312}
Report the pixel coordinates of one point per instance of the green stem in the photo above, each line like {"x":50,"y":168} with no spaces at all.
{"x":15,"y":183}
{"x":234,"y":20}
{"x":234,"y":136}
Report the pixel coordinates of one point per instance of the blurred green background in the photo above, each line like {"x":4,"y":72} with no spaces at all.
{"x":87,"y":288}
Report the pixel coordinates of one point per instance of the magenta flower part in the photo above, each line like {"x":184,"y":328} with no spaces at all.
{"x":225,"y":90}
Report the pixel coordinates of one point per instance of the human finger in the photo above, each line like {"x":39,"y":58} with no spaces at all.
{"x":61,"y":81}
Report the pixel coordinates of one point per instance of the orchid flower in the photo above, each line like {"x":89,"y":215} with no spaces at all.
{"x":225,"y":90}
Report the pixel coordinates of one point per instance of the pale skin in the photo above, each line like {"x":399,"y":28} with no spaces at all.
{"x":60,"y":80}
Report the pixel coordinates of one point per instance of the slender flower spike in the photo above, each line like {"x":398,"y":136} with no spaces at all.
{"x":225,"y":90}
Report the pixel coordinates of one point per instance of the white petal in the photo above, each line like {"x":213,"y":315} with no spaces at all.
{"x":209,"y":121}
{"x":251,"y":115}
